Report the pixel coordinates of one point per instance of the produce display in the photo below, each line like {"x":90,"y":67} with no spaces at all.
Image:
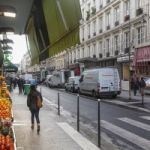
{"x":6,"y":118}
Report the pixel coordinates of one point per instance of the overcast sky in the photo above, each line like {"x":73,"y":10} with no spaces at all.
{"x":19,"y":47}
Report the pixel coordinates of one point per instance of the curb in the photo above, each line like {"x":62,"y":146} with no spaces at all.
{"x":124,"y":105}
{"x":117,"y":103}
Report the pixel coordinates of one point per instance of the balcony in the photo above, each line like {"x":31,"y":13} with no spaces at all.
{"x":100,"y":55}
{"x":116,"y":23}
{"x":139,"y":11}
{"x":107,"y":54}
{"x":127,"y":17}
{"x":126,"y":50}
{"x":108,"y":27}
{"x":94,"y":34}
{"x":89,"y":36}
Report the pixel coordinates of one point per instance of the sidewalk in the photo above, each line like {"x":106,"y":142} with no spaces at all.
{"x":135,"y":102}
{"x":55,"y":134}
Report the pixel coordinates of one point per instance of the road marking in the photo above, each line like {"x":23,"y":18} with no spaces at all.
{"x":145,"y":117}
{"x":136,"y":123}
{"x":78,"y":138}
{"x":139,"y":141}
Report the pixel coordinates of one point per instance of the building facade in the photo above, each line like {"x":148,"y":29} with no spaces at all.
{"x":114,"y":33}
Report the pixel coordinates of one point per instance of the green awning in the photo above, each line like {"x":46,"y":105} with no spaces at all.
{"x":32,"y":42}
{"x":62,"y":19}
{"x":10,"y":67}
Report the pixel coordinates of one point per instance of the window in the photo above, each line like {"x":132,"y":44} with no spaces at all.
{"x":127,"y":38}
{"x":139,"y":3}
{"x":89,"y":51}
{"x":100,"y":24}
{"x":94,"y":49}
{"x":100,"y":47}
{"x":107,"y":45}
{"x":116,"y":42}
{"x":108,"y":19}
{"x":89,"y":6}
{"x":127,"y":7}
{"x":78,"y":53}
{"x":94,"y":26}
{"x":88,"y":29}
{"x":117,"y":14}
{"x":83,"y":34}
{"x":82,"y":52}
{"x":140,"y":35}
{"x":101,"y":4}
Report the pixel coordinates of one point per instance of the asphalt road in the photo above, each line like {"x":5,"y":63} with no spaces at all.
{"x":120,"y":124}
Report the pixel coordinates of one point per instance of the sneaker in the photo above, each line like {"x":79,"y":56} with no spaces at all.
{"x":32,"y":126}
{"x":38,"y":128}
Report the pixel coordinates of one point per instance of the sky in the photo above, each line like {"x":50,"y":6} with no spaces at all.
{"x":19,"y":47}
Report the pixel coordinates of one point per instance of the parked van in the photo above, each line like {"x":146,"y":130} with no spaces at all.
{"x":100,"y":82}
{"x":46,"y":80}
{"x":72,"y":84}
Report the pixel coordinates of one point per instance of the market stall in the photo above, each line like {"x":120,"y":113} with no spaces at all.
{"x":7,"y":140}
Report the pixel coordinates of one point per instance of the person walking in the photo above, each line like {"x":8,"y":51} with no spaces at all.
{"x":32,"y":100}
{"x":135,"y":85}
{"x":142,"y":87}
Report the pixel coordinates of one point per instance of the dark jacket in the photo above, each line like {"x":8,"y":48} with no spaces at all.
{"x":32,"y":100}
{"x":142,"y":84}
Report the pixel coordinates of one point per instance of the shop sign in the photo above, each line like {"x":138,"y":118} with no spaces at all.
{"x":143,"y":54}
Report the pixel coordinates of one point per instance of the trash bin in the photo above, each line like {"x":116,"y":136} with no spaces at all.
{"x":26,"y":89}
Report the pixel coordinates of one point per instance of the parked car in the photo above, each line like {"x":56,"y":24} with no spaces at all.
{"x":72,"y":84}
{"x":100,"y":82}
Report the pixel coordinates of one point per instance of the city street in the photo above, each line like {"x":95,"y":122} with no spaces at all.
{"x":126,"y":128}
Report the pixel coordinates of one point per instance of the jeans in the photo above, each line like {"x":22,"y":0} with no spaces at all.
{"x":35,"y":113}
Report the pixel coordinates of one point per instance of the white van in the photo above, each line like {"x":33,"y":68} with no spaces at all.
{"x":72,"y":84}
{"x":100,"y":82}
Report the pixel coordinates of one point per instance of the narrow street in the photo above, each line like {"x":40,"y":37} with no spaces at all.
{"x":126,"y":128}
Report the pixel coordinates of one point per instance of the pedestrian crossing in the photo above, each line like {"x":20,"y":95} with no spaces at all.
{"x":142,"y":141}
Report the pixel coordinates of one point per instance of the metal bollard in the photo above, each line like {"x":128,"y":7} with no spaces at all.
{"x":58,"y":105}
{"x":99,"y":124}
{"x":78,"y":114}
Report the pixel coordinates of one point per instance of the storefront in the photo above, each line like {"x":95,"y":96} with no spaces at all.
{"x":141,"y":61}
{"x":75,"y":69}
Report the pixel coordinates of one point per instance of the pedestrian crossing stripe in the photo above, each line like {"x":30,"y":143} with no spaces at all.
{"x":136,"y":123}
{"x":145,"y":117}
{"x":125,"y":134}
